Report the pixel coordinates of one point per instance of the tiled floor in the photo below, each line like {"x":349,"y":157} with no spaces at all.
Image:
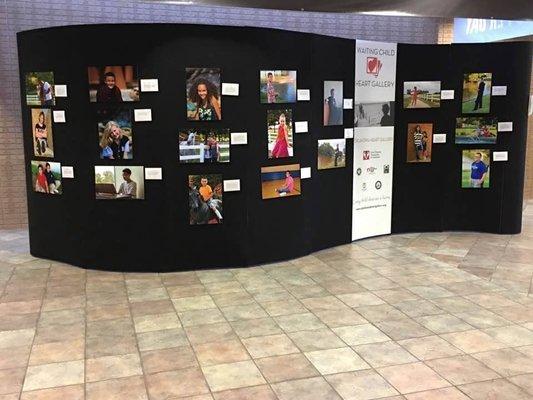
{"x":445,"y":316}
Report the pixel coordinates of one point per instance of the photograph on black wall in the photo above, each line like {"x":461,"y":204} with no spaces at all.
{"x":331,"y":153}
{"x":476,"y":169}
{"x":421,"y":94}
{"x":205,"y":145}
{"x":477,"y":88}
{"x":113,"y":84}
{"x":204,"y":102}
{"x":43,"y":140}
{"x":333,"y":102}
{"x":123,"y":182}
{"x":280,"y":181}
{"x":474,"y":130}
{"x":277,"y":86}
{"x":39,"y":87}
{"x":419,"y":142}
{"x":115,"y":134}
{"x":46,"y":177}
{"x":205,"y":199}
{"x":374,"y":114}
{"x":279,"y":133}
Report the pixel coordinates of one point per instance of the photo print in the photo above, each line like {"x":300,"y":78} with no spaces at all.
{"x":333,"y":103}
{"x":46,"y":177}
{"x":419,"y":142}
{"x":40,"y":89}
{"x":374,"y":114}
{"x":331,"y":153}
{"x":203,"y":94}
{"x":115,"y":134}
{"x":476,"y":169}
{"x":277,"y":86}
{"x":477,"y":88}
{"x":205,"y":199}
{"x":421,"y":94}
{"x":474,"y":130}
{"x":206,"y":145}
{"x":119,"y":182}
{"x":280,"y":133}
{"x":280,"y":181}
{"x":43,"y":141}
{"x":113,"y":84}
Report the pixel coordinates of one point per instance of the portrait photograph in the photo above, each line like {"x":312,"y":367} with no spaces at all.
{"x":477,"y":87}
{"x":280,"y":133}
{"x":46,"y":177}
{"x":113,"y":84}
{"x":206,"y":145}
{"x":40,"y":89}
{"x":277,"y":86}
{"x":331,"y":153}
{"x":333,"y":103}
{"x":476,"y":169}
{"x":280,"y":181}
{"x":205,"y":199}
{"x":203,"y":94}
{"x":374,"y":114}
{"x":115,"y":134}
{"x":421,"y":94}
{"x":43,"y":140}
{"x":473,"y":130}
{"x":124,"y":182}
{"x":419,"y":142}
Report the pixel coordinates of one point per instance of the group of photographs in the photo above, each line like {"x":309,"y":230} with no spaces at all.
{"x":472,"y":128}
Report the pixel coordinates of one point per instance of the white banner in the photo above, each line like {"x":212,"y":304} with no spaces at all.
{"x":375,"y":71}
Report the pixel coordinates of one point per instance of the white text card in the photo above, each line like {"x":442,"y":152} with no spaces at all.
{"x":67,"y":172}
{"x":60,"y":90}
{"x":301,"y":127}
{"x":439,"y":138}
{"x":500,"y":156}
{"x":447,"y":94}
{"x":505,"y":126}
{"x":230,"y":89}
{"x":232,"y":185}
{"x":303,"y":94}
{"x":305,"y":173}
{"x":143,"y":114}
{"x":149,"y":85}
{"x":348,"y":133}
{"x":153,"y":174}
{"x":347,"y":104}
{"x":239,"y":138}
{"x":499,"y":90}
{"x":59,"y":116}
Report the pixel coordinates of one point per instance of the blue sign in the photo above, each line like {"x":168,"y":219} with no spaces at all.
{"x":475,"y":30}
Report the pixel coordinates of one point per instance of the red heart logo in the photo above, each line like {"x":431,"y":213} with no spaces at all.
{"x":372,"y":64}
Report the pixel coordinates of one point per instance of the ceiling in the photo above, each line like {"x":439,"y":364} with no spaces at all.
{"x":500,"y":9}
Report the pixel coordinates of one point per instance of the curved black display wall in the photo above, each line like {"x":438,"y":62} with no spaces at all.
{"x":154,"y":234}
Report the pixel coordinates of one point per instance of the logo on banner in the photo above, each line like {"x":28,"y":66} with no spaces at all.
{"x":386,"y":169}
{"x":371,"y":170}
{"x":373,"y":66}
{"x":358,"y":171}
{"x":366,"y":154}
{"x":378,"y":185}
{"x":364,"y":186}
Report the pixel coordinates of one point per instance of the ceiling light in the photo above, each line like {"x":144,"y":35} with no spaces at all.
{"x":389,"y":13}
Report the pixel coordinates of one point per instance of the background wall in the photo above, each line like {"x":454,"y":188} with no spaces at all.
{"x":19,"y":15}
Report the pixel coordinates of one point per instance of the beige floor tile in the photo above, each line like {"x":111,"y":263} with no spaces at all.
{"x":11,"y":380}
{"x":180,"y":291}
{"x":117,"y":389}
{"x":201,"y":317}
{"x":17,"y":338}
{"x":232,"y":299}
{"x":112,"y":367}
{"x":220,"y":352}
{"x":11,"y":322}
{"x":272,"y":345}
{"x":255,"y":327}
{"x":430,"y":292}
{"x":152,"y":307}
{"x":247,"y":311}
{"x":325,"y":303}
{"x":513,"y":335}
{"x":193,"y":303}
{"x":232,"y":376}
{"x":57,"y":352}
{"x":418,"y":308}
{"x":154,"y":361}
{"x":14,"y":357}
{"x":415,"y":377}
{"x":299,"y":322}
{"x":54,"y":375}
{"x":462,"y":369}
{"x":383,"y":312}
{"x":100,"y":346}
{"x":430,"y":347}
{"x":384,"y":354}
{"x":305,"y":389}
{"x":438,"y":394}
{"x":361,"y":334}
{"x":400,"y":329}
{"x":524,"y":381}
{"x":176,"y":384}
{"x":333,"y":361}
{"x":496,"y":389}
{"x":283,"y":307}
{"x":473,"y":341}
{"x":483,"y":319}
{"x":361,"y":299}
{"x":75,"y":392}
{"x":112,"y":311}
{"x":286,"y":367}
{"x":163,"y":339}
{"x":337,"y":318}
{"x":361,"y":385}
{"x":262,"y":392}
{"x":507,"y":362}
{"x":320,"y":339}
{"x":443,"y":323}
{"x":210,"y":333}
{"x":156,"y":322}
{"x":20,"y":307}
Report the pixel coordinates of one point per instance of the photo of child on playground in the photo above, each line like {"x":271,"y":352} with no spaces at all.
{"x":40,"y":89}
{"x":333,"y":102}
{"x":46,"y":177}
{"x":331,"y":153}
{"x":113,"y":84}
{"x":207,"y":145}
{"x":115,"y":134}
{"x":280,"y":181}
{"x":421,"y":94}
{"x":203,"y":94}
{"x":277,"y":86}
{"x":477,"y":88}
{"x":419,"y":142}
{"x":476,"y":169}
{"x":41,"y":123}
{"x":473,"y":130}
{"x":205,"y":199}
{"x":279,"y":133}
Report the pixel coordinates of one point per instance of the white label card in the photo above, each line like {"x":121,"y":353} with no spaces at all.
{"x":305,"y":173}
{"x":500,"y":156}
{"x":499,"y":90}
{"x":143,"y":114}
{"x":149,"y":85}
{"x":232,"y":185}
{"x":439,"y":138}
{"x":447,"y":94}
{"x":59,"y":116}
{"x":348,"y":133}
{"x":60,"y":90}
{"x":505,"y":126}
{"x":303,"y":94}
{"x":67,"y":172}
{"x":230,"y":89}
{"x":153,"y":174}
{"x":347,"y":104}
{"x":239,"y":138}
{"x":301,"y":127}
